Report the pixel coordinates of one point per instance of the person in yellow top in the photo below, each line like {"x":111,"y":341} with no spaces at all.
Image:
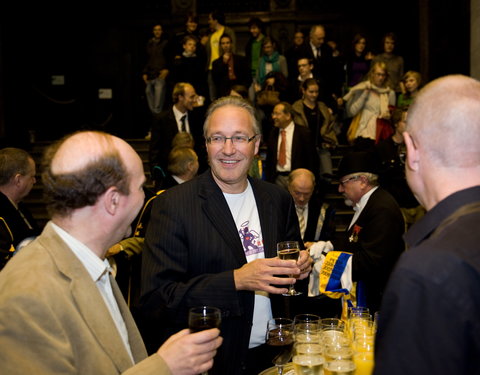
{"x":216,"y":23}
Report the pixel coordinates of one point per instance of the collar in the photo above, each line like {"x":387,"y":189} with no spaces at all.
{"x":302,"y":80}
{"x":422,"y":229}
{"x":178,"y":115}
{"x":178,"y":179}
{"x":95,"y":266}
{"x":364,"y":200}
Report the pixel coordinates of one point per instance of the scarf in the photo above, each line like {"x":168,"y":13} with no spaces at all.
{"x":272,"y":59}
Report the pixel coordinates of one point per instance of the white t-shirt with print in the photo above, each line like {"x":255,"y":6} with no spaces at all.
{"x":245,"y":214}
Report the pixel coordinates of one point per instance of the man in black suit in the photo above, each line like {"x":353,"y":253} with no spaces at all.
{"x":17,"y":177}
{"x":374,"y":236}
{"x":212,"y":241}
{"x":179,"y":118}
{"x":316,"y":220}
{"x":229,"y":69}
{"x":299,"y":149}
{"x":324,"y":65}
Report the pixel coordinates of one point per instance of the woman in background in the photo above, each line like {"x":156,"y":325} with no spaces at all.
{"x":411,"y":82}
{"x":369,"y":102}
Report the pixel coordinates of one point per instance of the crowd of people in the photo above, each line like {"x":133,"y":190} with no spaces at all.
{"x":207,"y":235}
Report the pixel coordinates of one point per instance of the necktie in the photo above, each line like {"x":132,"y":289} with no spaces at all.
{"x":319,"y":53}
{"x":301,"y":219}
{"x":183,"y":120}
{"x":282,"y":154}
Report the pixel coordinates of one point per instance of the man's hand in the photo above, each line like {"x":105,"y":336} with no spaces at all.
{"x":304,"y":262}
{"x":190,"y":353}
{"x":261,"y":274}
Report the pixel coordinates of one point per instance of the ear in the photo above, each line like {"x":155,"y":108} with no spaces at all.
{"x":257,"y":143}
{"x":17,"y":179}
{"x":111,"y":200}
{"x":413,"y":157}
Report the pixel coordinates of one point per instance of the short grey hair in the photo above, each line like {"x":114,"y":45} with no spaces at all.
{"x":13,"y":161}
{"x":233,"y":101}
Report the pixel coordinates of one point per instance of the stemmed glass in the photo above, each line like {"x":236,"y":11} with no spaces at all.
{"x":289,"y":250}
{"x":279,"y":338}
{"x":204,"y":317}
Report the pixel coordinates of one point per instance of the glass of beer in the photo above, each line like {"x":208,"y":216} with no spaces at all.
{"x":279,"y":338}
{"x":289,"y":250}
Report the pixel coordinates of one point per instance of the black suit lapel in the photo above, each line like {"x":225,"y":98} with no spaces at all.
{"x":217,"y":211}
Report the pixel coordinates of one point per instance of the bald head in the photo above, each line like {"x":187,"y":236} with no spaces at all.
{"x":301,"y":184}
{"x":444,"y":121}
{"x":81,"y":167}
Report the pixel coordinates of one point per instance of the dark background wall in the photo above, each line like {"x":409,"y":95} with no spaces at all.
{"x":96,"y":46}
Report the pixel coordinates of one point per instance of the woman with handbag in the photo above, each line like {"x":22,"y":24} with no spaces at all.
{"x":314,"y":114}
{"x":369,"y":103}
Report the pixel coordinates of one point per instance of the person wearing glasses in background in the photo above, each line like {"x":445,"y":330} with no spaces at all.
{"x":212,"y":241}
{"x":374,"y":235}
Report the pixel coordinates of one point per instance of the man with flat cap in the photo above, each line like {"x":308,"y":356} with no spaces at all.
{"x":374,"y":235}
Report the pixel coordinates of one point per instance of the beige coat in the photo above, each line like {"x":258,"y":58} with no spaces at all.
{"x":53,"y":319}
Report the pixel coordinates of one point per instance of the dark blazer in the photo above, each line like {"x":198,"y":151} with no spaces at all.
{"x":325,"y":69}
{"x":304,"y":154}
{"x":220,"y":74}
{"x":192,"y":247}
{"x":376,"y":246}
{"x":15,"y":222}
{"x":164,"y":129}
{"x":325,"y":229}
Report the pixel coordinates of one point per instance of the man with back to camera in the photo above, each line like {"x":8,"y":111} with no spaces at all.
{"x":17,"y":177}
{"x":212,"y":241}
{"x":60,"y":309}
{"x":430,"y":312}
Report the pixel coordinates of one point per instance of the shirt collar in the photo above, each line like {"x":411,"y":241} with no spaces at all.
{"x":178,"y":114}
{"x":432,"y":219}
{"x":364,"y":199}
{"x":95,"y":266}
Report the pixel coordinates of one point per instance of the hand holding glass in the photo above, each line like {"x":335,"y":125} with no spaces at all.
{"x":289,"y":250}
{"x":202,"y":318}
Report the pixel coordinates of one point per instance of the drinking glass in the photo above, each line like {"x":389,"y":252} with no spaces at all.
{"x":339,"y":367}
{"x":289,"y":250}
{"x":204,"y":317}
{"x":279,"y":338}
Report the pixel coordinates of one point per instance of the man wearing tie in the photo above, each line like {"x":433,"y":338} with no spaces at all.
{"x":289,"y":147}
{"x":321,"y":54}
{"x":316,"y":219}
{"x":174,"y":120}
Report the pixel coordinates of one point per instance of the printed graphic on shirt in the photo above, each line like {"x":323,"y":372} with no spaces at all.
{"x":251,"y":241}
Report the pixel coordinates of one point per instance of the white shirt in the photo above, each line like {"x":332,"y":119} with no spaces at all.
{"x":99,"y":271}
{"x":358,"y":208}
{"x":245,"y":214}
{"x":289,"y":133}
{"x":178,"y":118}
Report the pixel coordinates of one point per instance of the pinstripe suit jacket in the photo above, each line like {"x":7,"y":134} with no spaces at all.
{"x":192,"y":248}
{"x":53,"y":318}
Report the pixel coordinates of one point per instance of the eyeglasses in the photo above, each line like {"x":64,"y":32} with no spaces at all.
{"x":343,"y":182}
{"x":236,"y":139}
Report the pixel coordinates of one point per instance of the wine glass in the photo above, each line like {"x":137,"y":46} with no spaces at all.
{"x":289,"y":250}
{"x":279,"y":338}
{"x":204,"y":317}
